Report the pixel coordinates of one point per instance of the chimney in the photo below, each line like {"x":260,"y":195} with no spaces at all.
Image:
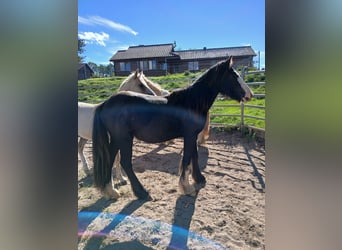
{"x":174,"y":44}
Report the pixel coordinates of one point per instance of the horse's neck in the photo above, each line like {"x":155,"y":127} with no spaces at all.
{"x":155,"y":87}
{"x":199,"y":97}
{"x":208,"y":92}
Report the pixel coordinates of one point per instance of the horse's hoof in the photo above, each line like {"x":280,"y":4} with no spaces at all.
{"x":192,"y":192}
{"x":188,"y":190}
{"x":111,"y":196}
{"x":198,"y":186}
{"x":123,"y":183}
{"x":110,"y":193}
{"x":87,"y":172}
{"x":200,"y":179}
{"x":143,"y":195}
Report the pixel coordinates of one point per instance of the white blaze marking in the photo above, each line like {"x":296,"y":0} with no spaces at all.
{"x":244,"y":86}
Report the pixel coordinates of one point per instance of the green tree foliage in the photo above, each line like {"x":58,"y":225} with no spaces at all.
{"x":80,"y":50}
{"x":102,"y":70}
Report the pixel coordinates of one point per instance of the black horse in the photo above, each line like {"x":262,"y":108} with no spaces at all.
{"x":157,"y":119}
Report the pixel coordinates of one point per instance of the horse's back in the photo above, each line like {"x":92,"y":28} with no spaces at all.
{"x":134,"y":97}
{"x":148,"y":118}
{"x":85,"y":119}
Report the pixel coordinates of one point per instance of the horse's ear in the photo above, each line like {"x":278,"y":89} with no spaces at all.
{"x":230,"y":62}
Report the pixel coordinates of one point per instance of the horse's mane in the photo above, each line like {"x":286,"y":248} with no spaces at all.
{"x":155,"y":86}
{"x":220,"y":66}
{"x":133,"y":74}
{"x":203,"y":84}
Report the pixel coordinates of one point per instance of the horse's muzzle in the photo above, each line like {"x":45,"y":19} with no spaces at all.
{"x":247,"y":97}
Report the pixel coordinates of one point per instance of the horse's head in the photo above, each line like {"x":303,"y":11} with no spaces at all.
{"x":154,"y":86}
{"x":135,"y":82}
{"x":232,"y":84}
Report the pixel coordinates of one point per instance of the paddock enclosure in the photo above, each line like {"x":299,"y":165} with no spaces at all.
{"x":227,"y":213}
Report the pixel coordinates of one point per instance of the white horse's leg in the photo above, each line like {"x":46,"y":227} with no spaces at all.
{"x":117,"y":171}
{"x":81,"y":144}
{"x":109,"y":192}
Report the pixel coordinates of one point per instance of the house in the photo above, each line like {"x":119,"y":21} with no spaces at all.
{"x":84,"y":71}
{"x":160,"y":59}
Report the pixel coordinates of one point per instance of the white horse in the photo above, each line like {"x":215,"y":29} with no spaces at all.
{"x":134,"y":82}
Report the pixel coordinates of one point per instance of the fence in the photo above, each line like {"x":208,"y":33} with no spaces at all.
{"x":242,"y":115}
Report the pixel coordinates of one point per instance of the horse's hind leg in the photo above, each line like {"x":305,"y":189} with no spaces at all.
{"x":126,"y":163}
{"x":109,"y":191}
{"x":81,"y":144}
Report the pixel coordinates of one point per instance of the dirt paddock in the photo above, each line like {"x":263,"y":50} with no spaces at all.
{"x":227,"y":213}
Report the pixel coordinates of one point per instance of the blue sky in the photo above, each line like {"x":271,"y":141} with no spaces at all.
{"x":111,"y":25}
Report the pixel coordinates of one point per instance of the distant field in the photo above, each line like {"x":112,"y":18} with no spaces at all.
{"x":95,"y":90}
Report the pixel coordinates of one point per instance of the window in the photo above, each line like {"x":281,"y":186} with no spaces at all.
{"x":122,"y":66}
{"x":152,"y":64}
{"x":148,"y":65}
{"x":143,"y":65}
{"x":125,"y":66}
{"x":193,"y":66}
{"x":128,"y":67}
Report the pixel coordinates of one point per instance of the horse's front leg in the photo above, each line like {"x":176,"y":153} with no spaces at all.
{"x":185,"y":166}
{"x":126,"y":163}
{"x":196,"y":172}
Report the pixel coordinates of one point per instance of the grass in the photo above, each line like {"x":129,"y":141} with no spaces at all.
{"x":95,"y":90}
{"x":228,"y":120}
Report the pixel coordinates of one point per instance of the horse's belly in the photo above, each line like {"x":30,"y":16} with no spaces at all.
{"x":159,"y":130}
{"x":85,"y":121}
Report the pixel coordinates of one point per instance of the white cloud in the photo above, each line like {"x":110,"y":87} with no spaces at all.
{"x":97,"y":20}
{"x":84,"y":20}
{"x":93,"y":37}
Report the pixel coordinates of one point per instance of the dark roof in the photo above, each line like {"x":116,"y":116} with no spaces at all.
{"x":144,"y":51}
{"x":81,"y":65}
{"x":215,"y":52}
{"x":167,"y":50}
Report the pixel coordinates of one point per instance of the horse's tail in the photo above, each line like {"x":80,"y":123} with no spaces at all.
{"x":101,"y":155}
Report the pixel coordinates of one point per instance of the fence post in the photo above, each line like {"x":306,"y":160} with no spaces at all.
{"x":242,"y":112}
{"x":242,"y":124}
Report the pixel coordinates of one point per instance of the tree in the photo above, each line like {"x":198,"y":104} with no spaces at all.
{"x":81,"y":45}
{"x":93,"y":66}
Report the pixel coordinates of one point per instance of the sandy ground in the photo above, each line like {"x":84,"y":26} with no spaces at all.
{"x":227,"y":213}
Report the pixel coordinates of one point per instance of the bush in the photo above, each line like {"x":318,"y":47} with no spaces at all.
{"x":186,"y":73}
